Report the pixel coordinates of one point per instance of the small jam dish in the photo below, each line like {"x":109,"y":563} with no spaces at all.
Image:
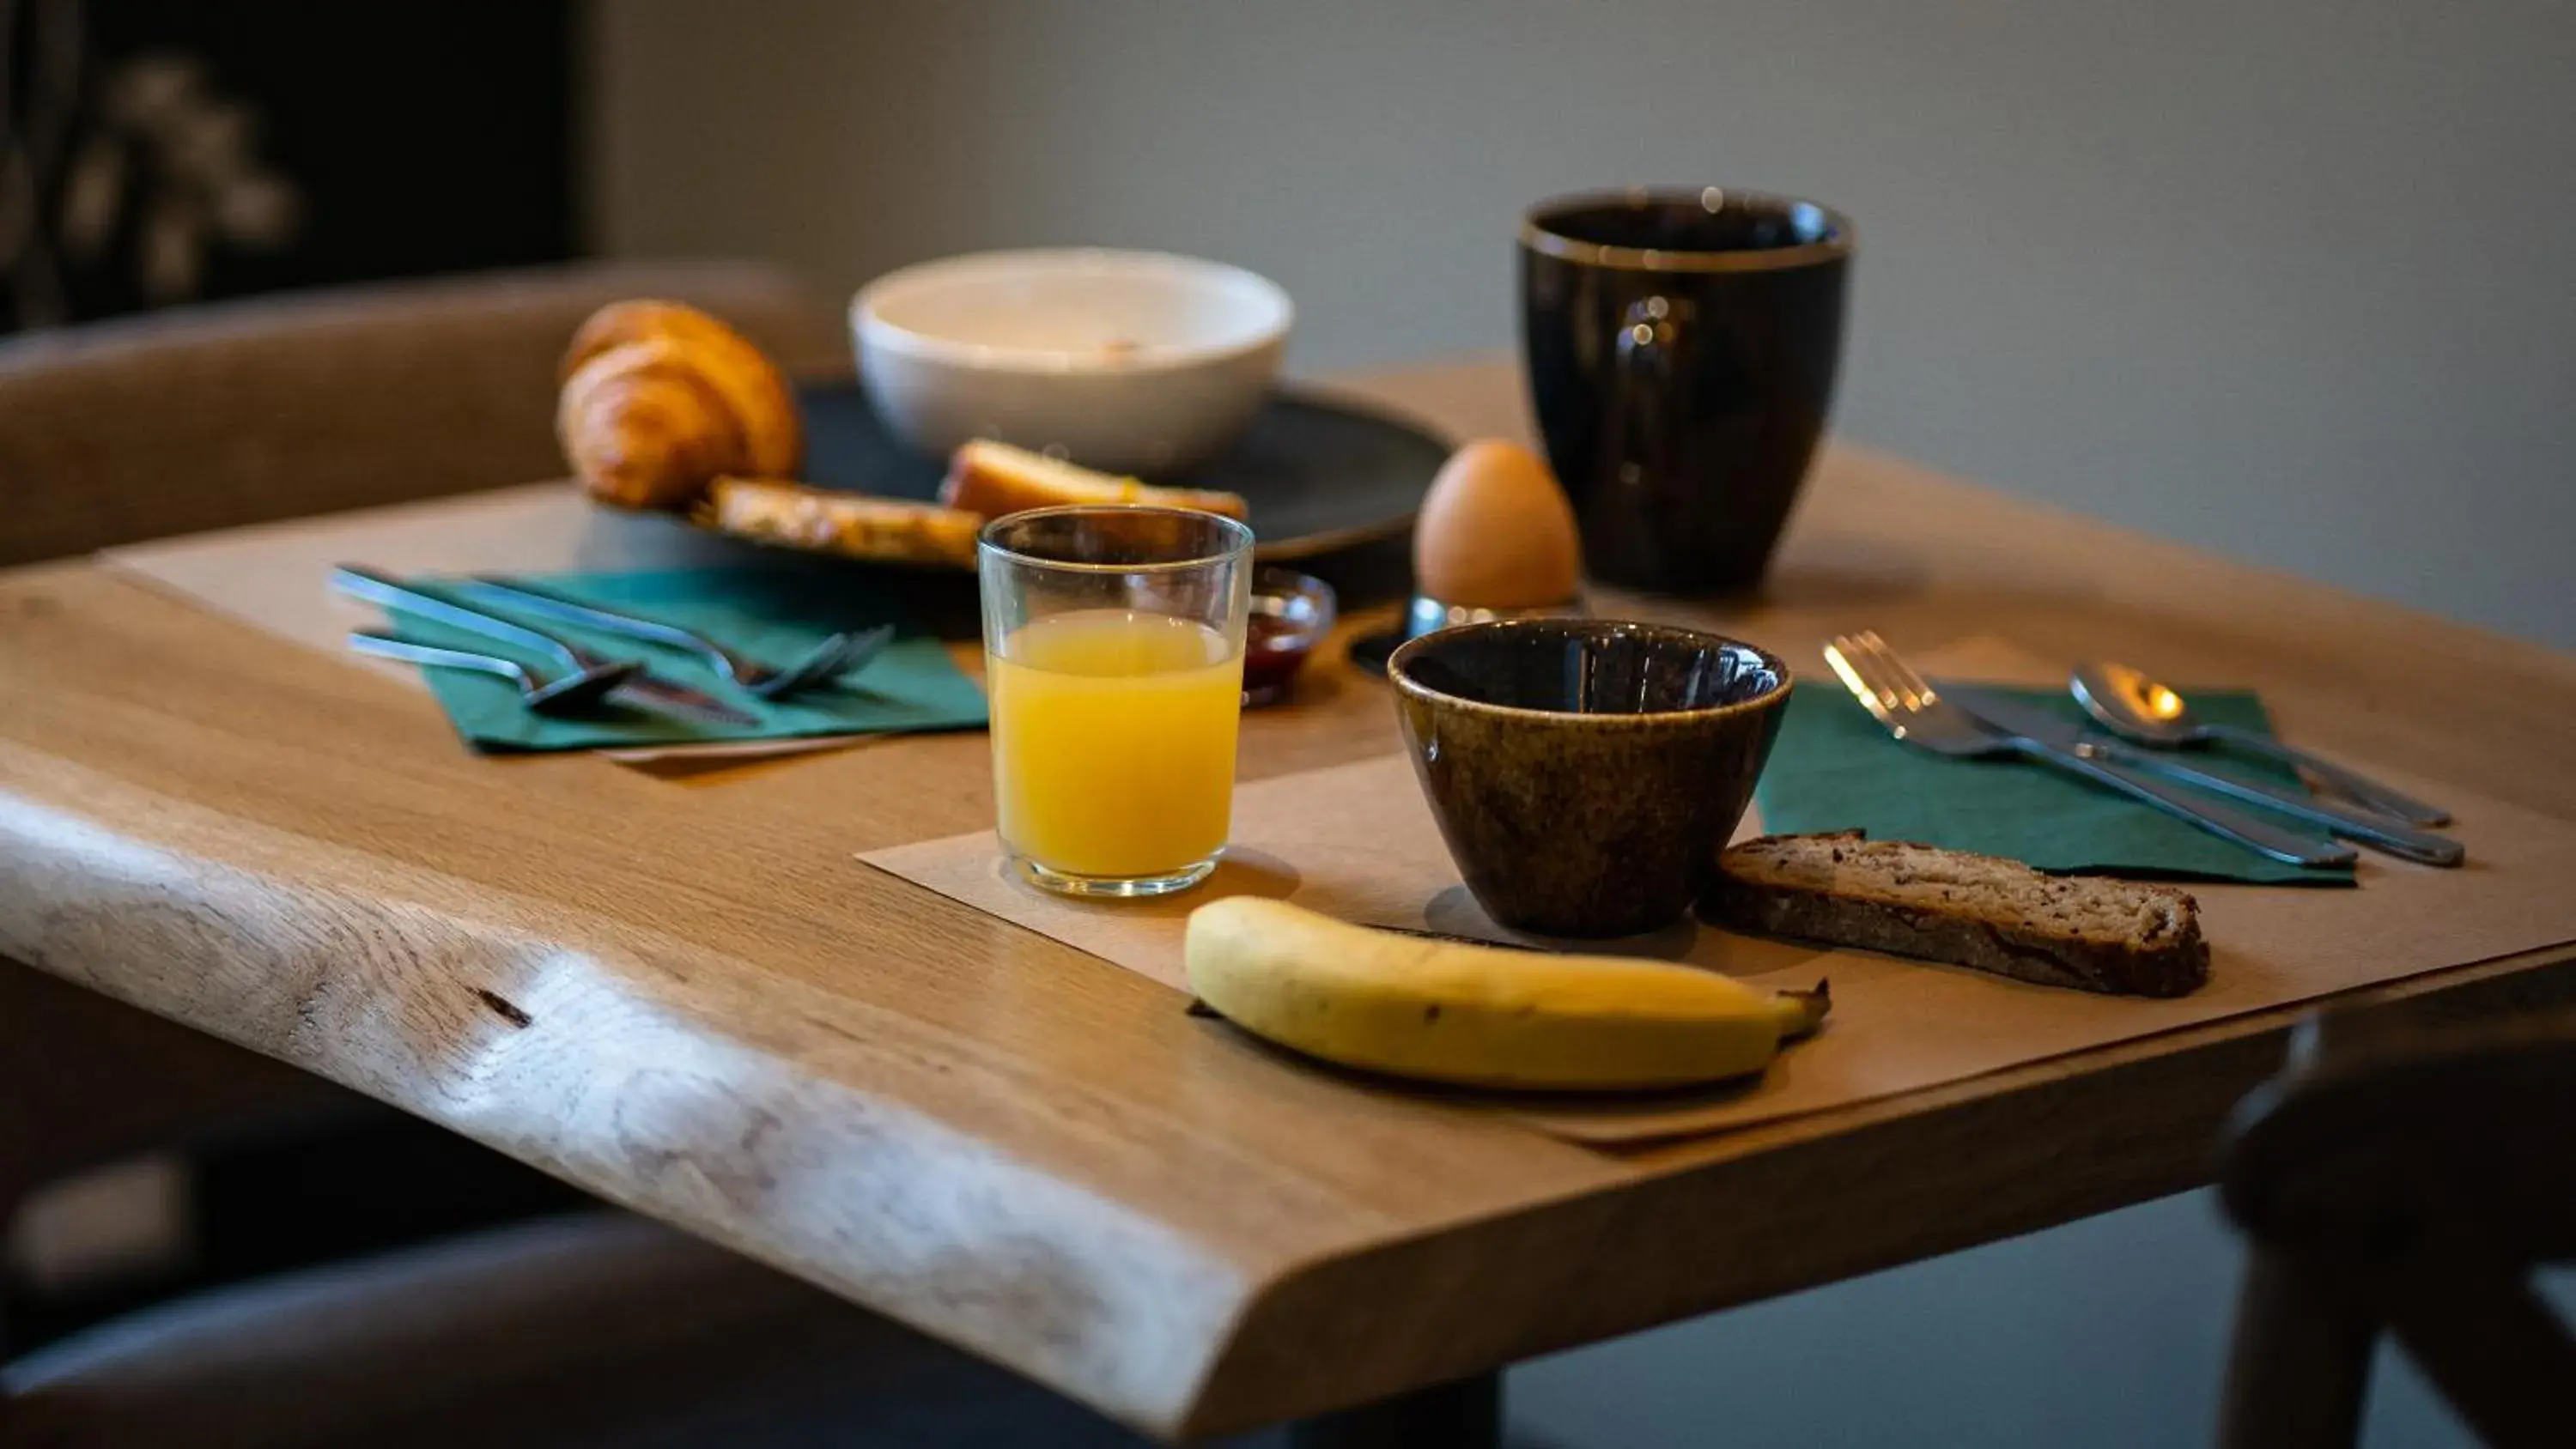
{"x":1291,"y":614}
{"x":1133,"y":362}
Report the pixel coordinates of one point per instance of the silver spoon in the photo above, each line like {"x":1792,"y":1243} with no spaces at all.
{"x":2139,"y":708}
{"x":572,"y":694}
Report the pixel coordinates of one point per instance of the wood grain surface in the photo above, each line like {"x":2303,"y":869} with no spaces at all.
{"x":685,"y":995}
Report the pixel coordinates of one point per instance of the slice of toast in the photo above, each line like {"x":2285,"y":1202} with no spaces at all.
{"x":892,"y":530}
{"x":2119,"y":937}
{"x":995,"y":479}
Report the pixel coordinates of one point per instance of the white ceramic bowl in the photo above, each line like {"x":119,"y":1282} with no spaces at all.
{"x":1133,"y":362}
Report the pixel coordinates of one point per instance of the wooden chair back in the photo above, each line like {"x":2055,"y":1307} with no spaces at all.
{"x":242,"y":412}
{"x":2407,"y":1182}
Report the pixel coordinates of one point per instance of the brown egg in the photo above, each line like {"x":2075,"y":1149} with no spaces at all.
{"x":1496,"y":532}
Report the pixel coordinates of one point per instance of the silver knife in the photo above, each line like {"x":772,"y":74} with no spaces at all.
{"x":2029,"y":721}
{"x":645,"y":689}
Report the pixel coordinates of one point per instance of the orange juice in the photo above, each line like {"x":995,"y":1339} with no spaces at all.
{"x":1113,"y":741}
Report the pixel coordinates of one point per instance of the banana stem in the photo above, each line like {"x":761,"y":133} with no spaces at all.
{"x":1801,"y":1012}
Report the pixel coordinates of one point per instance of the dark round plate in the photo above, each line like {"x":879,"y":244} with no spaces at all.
{"x":1318,"y":475}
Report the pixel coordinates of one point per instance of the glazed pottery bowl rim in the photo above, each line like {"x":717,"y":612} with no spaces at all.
{"x":1399,"y":673}
{"x":1839,"y":242}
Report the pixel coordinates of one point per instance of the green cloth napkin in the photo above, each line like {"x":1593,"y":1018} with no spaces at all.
{"x":1836,"y":768}
{"x":768,"y":614}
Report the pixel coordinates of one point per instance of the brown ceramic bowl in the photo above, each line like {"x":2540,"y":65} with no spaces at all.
{"x":1586,"y":772}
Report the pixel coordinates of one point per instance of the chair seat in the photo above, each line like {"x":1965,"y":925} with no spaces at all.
{"x":591,"y":1329}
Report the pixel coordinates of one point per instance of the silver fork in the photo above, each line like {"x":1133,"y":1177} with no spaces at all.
{"x":829,"y":660}
{"x":568,"y":694}
{"x":1913,"y":711}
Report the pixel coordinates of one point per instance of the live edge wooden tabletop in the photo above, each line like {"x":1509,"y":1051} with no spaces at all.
{"x":690,"y":999}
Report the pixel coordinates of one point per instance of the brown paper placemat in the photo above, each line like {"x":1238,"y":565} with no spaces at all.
{"x":1357,"y":842}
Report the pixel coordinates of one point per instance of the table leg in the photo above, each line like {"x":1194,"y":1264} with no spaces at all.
{"x":1464,"y":1414}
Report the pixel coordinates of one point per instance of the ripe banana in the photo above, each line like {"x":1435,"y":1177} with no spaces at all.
{"x":1480,"y":1015}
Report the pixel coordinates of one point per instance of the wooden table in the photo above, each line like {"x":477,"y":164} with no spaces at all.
{"x":689,"y":999}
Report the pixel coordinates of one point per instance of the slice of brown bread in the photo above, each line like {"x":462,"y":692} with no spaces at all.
{"x":1980,"y":911}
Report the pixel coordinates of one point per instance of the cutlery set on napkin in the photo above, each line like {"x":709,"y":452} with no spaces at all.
{"x":581,"y":661}
{"x":2113,"y":728}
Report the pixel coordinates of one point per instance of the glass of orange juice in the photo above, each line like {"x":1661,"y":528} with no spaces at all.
{"x":1113,"y":651}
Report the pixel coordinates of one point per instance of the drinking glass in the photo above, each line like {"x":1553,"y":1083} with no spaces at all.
{"x":1113,"y":652}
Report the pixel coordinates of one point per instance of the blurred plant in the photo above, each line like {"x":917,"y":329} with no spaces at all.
{"x":154,"y":152}
{"x":37,"y":96}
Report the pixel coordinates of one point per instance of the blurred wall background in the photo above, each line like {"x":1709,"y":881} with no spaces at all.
{"x":2289,"y":281}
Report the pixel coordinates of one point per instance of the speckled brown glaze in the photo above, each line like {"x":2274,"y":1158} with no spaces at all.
{"x":1586,"y":772}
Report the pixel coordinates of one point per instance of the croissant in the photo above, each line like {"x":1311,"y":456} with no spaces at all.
{"x":659,"y":398}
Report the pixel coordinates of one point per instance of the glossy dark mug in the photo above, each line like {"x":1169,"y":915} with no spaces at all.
{"x":1681,"y":349}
